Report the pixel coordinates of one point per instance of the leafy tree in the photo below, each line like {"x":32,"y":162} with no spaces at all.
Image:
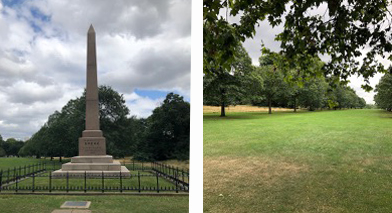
{"x":2,"y":152}
{"x":273,"y":84}
{"x":312,"y":95}
{"x":225,"y":88}
{"x":167,"y":131}
{"x":11,"y":146}
{"x":348,"y":27}
{"x":383,"y":98}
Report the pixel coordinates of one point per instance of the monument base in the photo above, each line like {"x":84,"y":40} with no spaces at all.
{"x":92,"y":166}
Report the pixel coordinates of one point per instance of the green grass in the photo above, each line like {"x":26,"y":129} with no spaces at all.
{"x":328,"y":161}
{"x":99,"y":204}
{"x":12,"y":162}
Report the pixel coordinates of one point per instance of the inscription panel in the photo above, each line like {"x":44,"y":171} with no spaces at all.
{"x":90,"y":146}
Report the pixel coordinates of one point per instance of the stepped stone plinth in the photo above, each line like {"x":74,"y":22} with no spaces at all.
{"x":92,"y":166}
{"x":92,"y":159}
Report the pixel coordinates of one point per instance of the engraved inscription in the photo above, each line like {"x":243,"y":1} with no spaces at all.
{"x":92,"y":146}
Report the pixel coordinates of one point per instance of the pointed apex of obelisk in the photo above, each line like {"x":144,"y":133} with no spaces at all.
{"x":91,"y":29}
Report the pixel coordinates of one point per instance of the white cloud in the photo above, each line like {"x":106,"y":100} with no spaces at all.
{"x":142,"y":107}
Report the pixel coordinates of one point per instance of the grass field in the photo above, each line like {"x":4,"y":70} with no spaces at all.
{"x":12,"y":162}
{"x":327,"y":161}
{"x":99,"y":204}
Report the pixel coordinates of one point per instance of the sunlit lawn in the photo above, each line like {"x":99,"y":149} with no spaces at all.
{"x":326,"y":161}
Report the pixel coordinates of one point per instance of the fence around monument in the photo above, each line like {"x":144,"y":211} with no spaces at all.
{"x":144,"y":177}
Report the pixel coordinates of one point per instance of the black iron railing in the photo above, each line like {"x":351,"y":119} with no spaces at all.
{"x":144,"y":177}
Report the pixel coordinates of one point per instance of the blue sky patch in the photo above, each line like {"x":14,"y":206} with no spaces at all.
{"x":12,"y":3}
{"x":155,"y":94}
{"x":152,"y":94}
{"x":39,"y":15}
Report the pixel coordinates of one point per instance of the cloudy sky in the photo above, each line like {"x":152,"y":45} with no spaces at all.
{"x":143,"y":52}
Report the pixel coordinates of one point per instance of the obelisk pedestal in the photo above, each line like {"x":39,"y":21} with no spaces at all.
{"x":92,"y":159}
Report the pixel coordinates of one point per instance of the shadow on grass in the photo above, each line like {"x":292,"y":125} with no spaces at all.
{"x":384,"y":114}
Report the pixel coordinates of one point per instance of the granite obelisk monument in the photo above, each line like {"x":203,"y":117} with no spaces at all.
{"x":92,"y":143}
{"x":92,"y":157}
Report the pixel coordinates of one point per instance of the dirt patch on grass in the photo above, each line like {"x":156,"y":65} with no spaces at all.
{"x":242,"y":180}
{"x":241,"y":108}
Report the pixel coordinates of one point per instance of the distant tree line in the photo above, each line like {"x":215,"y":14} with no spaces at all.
{"x":163,"y":135}
{"x":10,"y":147}
{"x":270,"y":84}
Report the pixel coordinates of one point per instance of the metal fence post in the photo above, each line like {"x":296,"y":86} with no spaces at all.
{"x":85,"y":181}
{"x":67,"y":181}
{"x":138,"y":177}
{"x":157,"y":183}
{"x":176,"y":182}
{"x":120,"y":181}
{"x":16,"y":183}
{"x":103,"y":183}
{"x":50,"y":181}
{"x":33,"y":182}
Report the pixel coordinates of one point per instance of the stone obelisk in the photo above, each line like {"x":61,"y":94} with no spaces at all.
{"x":92,"y":159}
{"x":92,"y":142}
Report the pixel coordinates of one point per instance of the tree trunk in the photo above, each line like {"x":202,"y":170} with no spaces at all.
{"x":60,"y":159}
{"x":223,"y":114}
{"x":51,"y":158}
{"x":269,"y":106}
{"x":295,"y":105}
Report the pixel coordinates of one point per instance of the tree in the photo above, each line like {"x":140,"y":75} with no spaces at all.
{"x":225,"y":88}
{"x":347,"y":28}
{"x":273,"y":84}
{"x":313,"y":93}
{"x":383,"y":98}
{"x":11,"y":146}
{"x":167,"y":131}
{"x":2,"y":152}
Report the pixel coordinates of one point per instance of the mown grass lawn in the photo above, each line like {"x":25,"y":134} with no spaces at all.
{"x":99,"y":204}
{"x":326,"y":161}
{"x":11,"y":162}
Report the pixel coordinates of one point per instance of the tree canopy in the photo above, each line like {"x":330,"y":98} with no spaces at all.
{"x":345,"y":31}
{"x":167,"y":131}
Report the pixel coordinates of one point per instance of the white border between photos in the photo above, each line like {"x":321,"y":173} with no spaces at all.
{"x":196,"y":134}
